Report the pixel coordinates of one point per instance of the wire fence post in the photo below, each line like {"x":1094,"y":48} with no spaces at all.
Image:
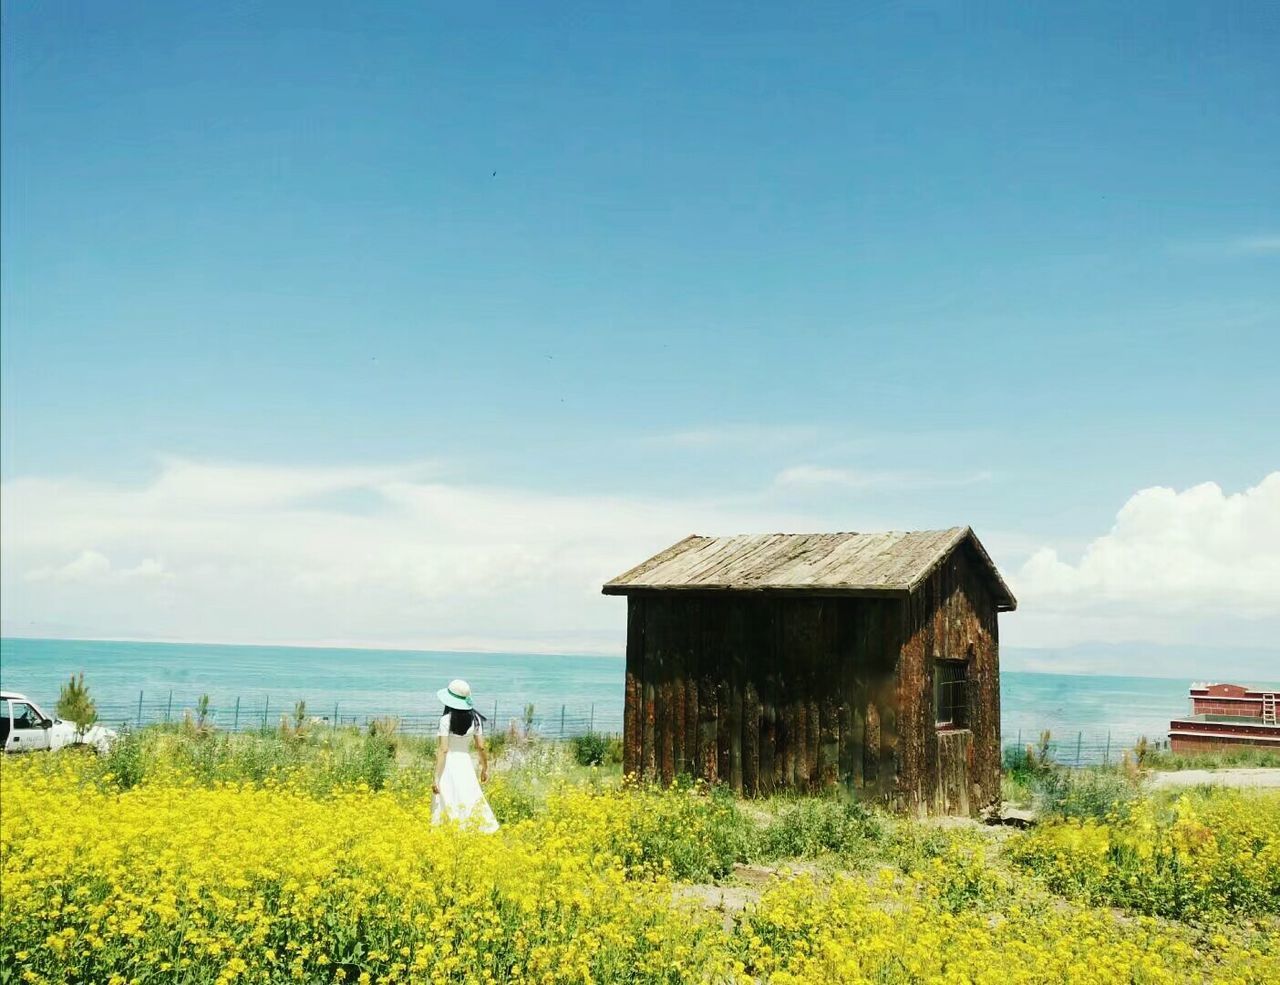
{"x":235,"y":725}
{"x":168,"y":710}
{"x":1079,"y":740}
{"x":335,"y":714}
{"x":1019,"y":738}
{"x":266,"y":710}
{"x":1106,"y":756}
{"x":592,"y":726}
{"x":495,"y":712}
{"x":562,"y":722}
{"x":139,"y":709}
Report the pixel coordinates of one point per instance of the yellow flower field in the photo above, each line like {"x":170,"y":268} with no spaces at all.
{"x":173,"y":882}
{"x":903,"y":931}
{"x":178,"y":881}
{"x":1197,"y":854}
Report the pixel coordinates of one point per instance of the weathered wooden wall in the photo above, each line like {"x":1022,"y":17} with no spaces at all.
{"x":951,"y":616}
{"x":764,"y":692}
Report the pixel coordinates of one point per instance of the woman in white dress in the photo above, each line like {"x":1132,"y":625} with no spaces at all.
{"x":458,"y":796}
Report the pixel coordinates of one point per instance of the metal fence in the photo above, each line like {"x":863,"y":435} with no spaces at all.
{"x":1069,"y":747}
{"x":558,"y":722}
{"x":1076,"y":747}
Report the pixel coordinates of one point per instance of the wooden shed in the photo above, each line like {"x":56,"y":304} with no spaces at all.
{"x":802,"y":661}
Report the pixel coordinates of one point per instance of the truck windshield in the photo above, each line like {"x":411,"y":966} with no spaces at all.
{"x":25,"y":716}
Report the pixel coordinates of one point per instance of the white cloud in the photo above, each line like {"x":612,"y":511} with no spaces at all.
{"x":279,"y":554}
{"x":1261,"y":244}
{"x":1172,"y":561}
{"x":819,"y":475}
{"x":1257,"y":244}
{"x":91,"y":567}
{"x":398,"y":556}
{"x":737,"y":436}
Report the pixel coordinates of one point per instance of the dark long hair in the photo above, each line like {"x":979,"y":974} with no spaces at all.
{"x":461,"y":719}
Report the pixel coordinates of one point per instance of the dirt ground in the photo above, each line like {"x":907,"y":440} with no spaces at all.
{"x":1249,"y":778}
{"x":750,"y":882}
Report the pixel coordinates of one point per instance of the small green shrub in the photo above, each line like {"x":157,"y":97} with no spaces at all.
{"x":496,"y":742}
{"x":1031,"y":760}
{"x":1084,"y":794}
{"x":589,"y":749}
{"x":1017,"y":788}
{"x":200,"y":724}
{"x":512,"y":800}
{"x":75,"y":704}
{"x":967,"y":882}
{"x":125,"y":763}
{"x":208,"y":758}
{"x":687,"y":832}
{"x":910,"y":845}
{"x":295,"y":727}
{"x":809,"y":828}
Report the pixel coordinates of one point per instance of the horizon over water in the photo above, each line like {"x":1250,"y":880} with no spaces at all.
{"x":368,"y":682}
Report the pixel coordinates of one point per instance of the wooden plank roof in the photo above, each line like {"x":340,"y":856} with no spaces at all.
{"x":890,"y":563}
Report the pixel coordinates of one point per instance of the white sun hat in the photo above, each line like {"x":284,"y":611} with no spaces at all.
{"x":456,"y":695}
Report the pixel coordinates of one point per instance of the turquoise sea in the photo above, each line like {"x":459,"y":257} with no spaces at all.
{"x":250,"y":685}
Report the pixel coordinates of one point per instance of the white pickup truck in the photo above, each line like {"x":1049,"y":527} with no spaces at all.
{"x":25,"y":728}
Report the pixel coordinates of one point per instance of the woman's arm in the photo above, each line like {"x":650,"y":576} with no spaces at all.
{"x":484,"y":759}
{"x":442,"y":747}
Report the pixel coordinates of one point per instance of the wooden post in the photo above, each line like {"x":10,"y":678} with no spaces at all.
{"x":750,"y":736}
{"x":562,"y":723}
{"x":1079,"y":741}
{"x":335,"y":714}
{"x":798,"y":699}
{"x":723,"y":721}
{"x":735,"y":633}
{"x":633,"y":699}
{"x":768,"y":741}
{"x":871,"y":744}
{"x":693,"y":724}
{"x":266,"y":711}
{"x":829,"y":750}
{"x":708,"y":619}
{"x":690,"y":634}
{"x":658,"y":627}
{"x":591,"y":725}
{"x":847,"y":654}
{"x":139,"y":709}
{"x":889,"y":750}
{"x":235,"y":725}
{"x":649,"y":752}
{"x":816,"y":657}
{"x":675,"y":668}
{"x":168,"y":711}
{"x":813,"y":737}
{"x":765,"y":673}
{"x":1106,"y":756}
{"x":784,"y":756}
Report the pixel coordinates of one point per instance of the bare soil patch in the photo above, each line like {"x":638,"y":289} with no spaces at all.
{"x":1267,"y":778}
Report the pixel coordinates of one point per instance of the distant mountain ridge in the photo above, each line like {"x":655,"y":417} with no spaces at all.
{"x":1195,"y":662}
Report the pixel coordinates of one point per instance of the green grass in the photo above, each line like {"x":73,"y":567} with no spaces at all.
{"x":1017,"y":789}
{"x":1244,"y":756}
{"x":813,"y":827}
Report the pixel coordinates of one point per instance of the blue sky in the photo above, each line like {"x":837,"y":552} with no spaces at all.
{"x":895,"y":264}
